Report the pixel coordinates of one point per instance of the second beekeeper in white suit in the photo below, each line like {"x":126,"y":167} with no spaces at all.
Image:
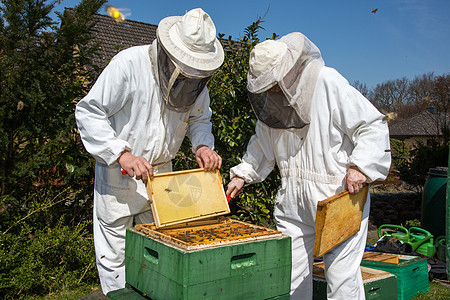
{"x":325,"y":137}
{"x":135,"y":118}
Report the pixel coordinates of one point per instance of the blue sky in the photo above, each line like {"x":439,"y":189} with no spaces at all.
{"x":404,"y":38}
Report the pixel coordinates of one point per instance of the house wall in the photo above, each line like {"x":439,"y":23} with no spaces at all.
{"x":410,"y":142}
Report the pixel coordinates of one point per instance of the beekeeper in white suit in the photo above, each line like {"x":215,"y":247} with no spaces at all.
{"x":135,"y":118}
{"x":324,"y":137}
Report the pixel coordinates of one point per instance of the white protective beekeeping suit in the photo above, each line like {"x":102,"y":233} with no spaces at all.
{"x":142,"y":104}
{"x":323,"y":127}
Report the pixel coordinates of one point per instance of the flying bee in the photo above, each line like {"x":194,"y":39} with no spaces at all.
{"x":118,"y":14}
{"x":390,"y":116}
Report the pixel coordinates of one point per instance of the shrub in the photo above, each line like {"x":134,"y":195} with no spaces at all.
{"x":45,"y":174}
{"x":399,"y":154}
{"x":422,"y":158}
{"x":38,"y":262}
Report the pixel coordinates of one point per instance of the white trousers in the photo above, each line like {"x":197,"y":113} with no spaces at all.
{"x":109,"y":241}
{"x":342,"y":264}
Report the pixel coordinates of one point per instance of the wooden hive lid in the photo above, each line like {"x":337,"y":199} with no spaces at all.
{"x":183,"y":196}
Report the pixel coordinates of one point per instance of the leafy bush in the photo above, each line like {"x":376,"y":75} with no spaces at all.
{"x":255,"y":206}
{"x":399,"y":154}
{"x":412,"y":223}
{"x":38,"y":262}
{"x":45,"y":174}
{"x":423,"y":157}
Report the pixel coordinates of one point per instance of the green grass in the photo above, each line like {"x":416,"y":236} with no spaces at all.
{"x":437,"y":292}
{"x":69,"y":294}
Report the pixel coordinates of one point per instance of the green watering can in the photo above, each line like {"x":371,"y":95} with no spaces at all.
{"x":397,"y":231}
{"x":422,"y":241}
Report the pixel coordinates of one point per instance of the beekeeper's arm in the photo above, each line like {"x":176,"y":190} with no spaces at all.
{"x":108,"y":96}
{"x":199,"y":133}
{"x":256,"y":164}
{"x":364,"y":125}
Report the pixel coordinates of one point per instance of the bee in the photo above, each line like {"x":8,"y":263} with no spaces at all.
{"x":390,"y":116}
{"x":117,"y":14}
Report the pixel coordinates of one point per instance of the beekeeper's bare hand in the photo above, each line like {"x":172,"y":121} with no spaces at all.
{"x":354,"y":180}
{"x":208,"y":159}
{"x":235,"y":187}
{"x":135,"y":166}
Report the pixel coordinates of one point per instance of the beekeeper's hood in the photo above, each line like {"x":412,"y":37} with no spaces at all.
{"x":293,"y":62}
{"x":187,"y":55}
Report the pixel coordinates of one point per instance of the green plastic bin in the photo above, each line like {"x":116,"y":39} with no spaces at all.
{"x":447,"y":228}
{"x":433,"y":201}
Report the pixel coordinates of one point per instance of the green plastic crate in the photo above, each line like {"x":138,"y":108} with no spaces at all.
{"x":259,"y":269}
{"x":411,"y":273}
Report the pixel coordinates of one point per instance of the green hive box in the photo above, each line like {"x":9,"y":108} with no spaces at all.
{"x":163,"y":267}
{"x":411,"y":273}
{"x":129,"y":293}
{"x":378,"y":285}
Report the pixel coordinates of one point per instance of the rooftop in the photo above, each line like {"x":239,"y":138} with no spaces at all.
{"x":426,"y":123}
{"x":114,"y":36}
